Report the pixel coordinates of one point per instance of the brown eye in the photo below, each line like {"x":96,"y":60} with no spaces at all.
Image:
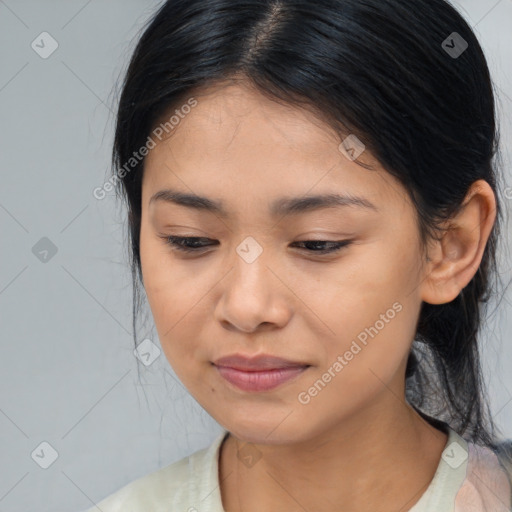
{"x":196,"y":244}
{"x":319,"y":246}
{"x":187,"y":243}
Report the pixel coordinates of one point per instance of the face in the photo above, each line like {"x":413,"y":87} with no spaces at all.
{"x":262,"y":280}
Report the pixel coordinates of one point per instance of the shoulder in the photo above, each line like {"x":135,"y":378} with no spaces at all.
{"x":176,"y":486}
{"x":487,"y":485}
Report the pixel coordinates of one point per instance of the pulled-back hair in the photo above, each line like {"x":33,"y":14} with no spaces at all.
{"x":379,"y":69}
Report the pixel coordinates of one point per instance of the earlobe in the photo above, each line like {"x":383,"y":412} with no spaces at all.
{"x":454,"y":258}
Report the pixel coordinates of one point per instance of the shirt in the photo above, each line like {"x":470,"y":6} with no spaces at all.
{"x":469,"y":478}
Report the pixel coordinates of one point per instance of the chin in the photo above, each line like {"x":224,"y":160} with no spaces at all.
{"x":266,"y":433}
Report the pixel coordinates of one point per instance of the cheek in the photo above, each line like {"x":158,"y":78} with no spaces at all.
{"x":350,"y":294}
{"x":172,"y":301}
{"x":368,"y":313}
{"x":362,"y":361}
{"x":167,"y":285}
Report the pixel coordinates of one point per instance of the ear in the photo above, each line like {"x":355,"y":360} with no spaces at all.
{"x":454,"y":259}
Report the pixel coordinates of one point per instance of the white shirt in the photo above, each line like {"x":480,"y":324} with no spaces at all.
{"x":469,"y":478}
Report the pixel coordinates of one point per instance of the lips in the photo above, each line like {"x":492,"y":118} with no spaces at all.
{"x":257,"y":363}
{"x":260,"y":381}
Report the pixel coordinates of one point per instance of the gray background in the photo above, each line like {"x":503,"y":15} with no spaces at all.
{"x":69,"y":375}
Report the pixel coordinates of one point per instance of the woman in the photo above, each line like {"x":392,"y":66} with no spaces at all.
{"x":314,"y":215}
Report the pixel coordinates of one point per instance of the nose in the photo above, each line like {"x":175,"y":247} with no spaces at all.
{"x":254,"y":297}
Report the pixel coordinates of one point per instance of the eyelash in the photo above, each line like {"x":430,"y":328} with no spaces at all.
{"x":175,"y":243}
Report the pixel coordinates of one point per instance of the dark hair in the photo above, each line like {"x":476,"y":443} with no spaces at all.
{"x":379,"y":69}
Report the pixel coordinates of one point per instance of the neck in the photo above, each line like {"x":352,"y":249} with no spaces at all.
{"x":376,"y":460}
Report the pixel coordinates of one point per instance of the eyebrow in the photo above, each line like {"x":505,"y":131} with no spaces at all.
{"x":281,"y":206}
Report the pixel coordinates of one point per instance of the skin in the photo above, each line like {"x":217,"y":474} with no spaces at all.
{"x":357,"y":445}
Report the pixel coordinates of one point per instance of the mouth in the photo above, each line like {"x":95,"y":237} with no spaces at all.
{"x":261,"y":373}
{"x":257,"y":363}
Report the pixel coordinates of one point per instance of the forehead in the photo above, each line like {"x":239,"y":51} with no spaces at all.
{"x":237,"y":142}
{"x":238,"y":116}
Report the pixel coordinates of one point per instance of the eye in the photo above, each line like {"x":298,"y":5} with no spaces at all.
{"x":319,"y":246}
{"x":186,"y":243}
{"x":196,"y":244}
